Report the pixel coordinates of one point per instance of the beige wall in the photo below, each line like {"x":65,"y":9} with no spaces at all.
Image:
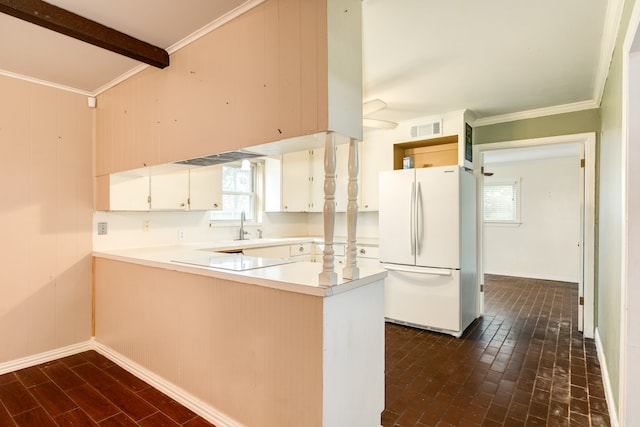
{"x":45,"y":218}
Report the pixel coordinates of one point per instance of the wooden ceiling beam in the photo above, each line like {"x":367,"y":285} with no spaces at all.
{"x":62,"y":21}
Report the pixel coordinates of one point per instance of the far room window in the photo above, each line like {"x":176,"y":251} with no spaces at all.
{"x":241,"y":191}
{"x":501,"y":201}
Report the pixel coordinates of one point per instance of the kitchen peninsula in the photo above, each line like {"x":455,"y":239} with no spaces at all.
{"x":264,"y":346}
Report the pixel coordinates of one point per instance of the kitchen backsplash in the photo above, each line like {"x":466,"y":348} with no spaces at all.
{"x":127,"y":229}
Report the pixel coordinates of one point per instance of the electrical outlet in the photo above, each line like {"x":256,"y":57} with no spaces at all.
{"x":180,"y":234}
{"x":102,"y":228}
{"x":146,"y":226}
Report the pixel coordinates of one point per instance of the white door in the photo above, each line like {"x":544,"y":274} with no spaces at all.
{"x":396,"y":216}
{"x":438,"y":218}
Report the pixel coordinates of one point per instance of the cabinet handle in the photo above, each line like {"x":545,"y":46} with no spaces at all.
{"x":366,"y":206}
{"x":215,"y":205}
{"x":300,"y":249}
{"x":182,"y":205}
{"x":362,"y":251}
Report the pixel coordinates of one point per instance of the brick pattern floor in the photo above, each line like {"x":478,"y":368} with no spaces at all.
{"x":523,"y":363}
{"x":86,"y":389}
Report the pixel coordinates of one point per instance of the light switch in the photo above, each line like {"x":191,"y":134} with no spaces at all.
{"x":102,"y":228}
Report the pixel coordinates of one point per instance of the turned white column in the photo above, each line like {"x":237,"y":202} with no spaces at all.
{"x":351,"y":271}
{"x":328,"y":276}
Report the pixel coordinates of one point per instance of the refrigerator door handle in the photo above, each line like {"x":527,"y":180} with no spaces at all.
{"x":422,"y":270}
{"x":412,"y":219}
{"x":419,"y":220}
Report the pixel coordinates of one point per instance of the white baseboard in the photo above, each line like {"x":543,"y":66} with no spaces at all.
{"x":176,"y":393}
{"x":608,"y":391}
{"x":47,"y":356}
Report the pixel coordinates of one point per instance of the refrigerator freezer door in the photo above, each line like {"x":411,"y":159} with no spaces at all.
{"x":395,"y":218}
{"x":438,"y":217}
{"x":430,"y":301}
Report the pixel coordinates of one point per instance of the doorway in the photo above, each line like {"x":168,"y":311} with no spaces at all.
{"x":586,"y":147}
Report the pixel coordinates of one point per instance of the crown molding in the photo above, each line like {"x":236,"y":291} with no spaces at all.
{"x":45,"y":83}
{"x":613,"y":15}
{"x":539,"y":112}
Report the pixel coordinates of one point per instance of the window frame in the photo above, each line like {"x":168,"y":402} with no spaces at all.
{"x":517,"y":194}
{"x":255,"y":215}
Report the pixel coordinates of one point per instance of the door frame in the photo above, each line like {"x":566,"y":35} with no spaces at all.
{"x":588,"y":141}
{"x":630,"y":239}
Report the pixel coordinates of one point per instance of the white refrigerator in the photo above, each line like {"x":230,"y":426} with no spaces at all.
{"x":427,"y":227}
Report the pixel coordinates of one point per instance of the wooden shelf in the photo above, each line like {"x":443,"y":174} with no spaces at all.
{"x":433,"y":152}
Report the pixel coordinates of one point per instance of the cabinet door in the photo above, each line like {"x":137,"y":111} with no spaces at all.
{"x":129,"y":191}
{"x":295,"y":181}
{"x":205,"y":188}
{"x":317,"y":180}
{"x":342,"y":177}
{"x":170,"y":191}
{"x":374,"y":157}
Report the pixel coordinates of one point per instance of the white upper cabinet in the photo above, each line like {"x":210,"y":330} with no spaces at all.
{"x":129,"y":191}
{"x":295,"y":181}
{"x":317,"y":180}
{"x":342,"y":177}
{"x":373,"y":159}
{"x":205,"y":188}
{"x":170,"y":191}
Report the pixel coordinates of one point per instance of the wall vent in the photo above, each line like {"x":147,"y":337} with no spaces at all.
{"x":427,"y":130}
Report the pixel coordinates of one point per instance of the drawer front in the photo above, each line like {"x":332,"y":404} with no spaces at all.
{"x":367,"y":252}
{"x":338,"y":249}
{"x":300,"y":249}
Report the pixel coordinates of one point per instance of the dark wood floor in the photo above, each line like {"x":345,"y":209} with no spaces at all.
{"x":86,"y":390}
{"x":523,"y":363}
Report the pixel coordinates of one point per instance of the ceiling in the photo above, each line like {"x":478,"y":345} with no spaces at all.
{"x":500,"y":59}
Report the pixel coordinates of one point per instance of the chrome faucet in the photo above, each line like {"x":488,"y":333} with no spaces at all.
{"x":242,"y":232}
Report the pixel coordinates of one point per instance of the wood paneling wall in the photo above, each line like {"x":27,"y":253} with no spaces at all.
{"x":259,"y":78}
{"x":253,"y":353}
{"x":45,"y":218}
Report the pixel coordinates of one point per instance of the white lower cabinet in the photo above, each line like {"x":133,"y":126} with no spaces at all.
{"x":268,"y":252}
{"x":367,"y":256}
{"x":298,"y":252}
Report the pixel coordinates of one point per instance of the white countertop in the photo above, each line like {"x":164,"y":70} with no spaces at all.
{"x":301,"y":277}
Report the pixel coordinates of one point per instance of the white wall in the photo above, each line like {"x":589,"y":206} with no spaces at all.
{"x":545,"y":244}
{"x":125,"y":229}
{"x":367,"y":226}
